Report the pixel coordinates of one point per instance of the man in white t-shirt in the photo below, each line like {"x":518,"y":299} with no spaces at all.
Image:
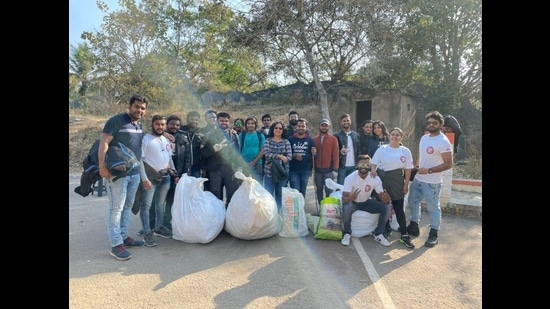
{"x":156,"y":151}
{"x":435,"y":156}
{"x":356,"y":192}
{"x":348,"y":143}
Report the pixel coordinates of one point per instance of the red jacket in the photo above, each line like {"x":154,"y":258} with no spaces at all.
{"x":328,"y":154}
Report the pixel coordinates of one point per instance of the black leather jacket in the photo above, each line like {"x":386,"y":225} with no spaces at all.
{"x":182,"y":155}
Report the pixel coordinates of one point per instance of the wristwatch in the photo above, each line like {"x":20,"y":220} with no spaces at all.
{"x":430,"y":171}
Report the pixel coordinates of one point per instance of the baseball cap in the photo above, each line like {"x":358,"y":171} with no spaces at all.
{"x":324,"y":121}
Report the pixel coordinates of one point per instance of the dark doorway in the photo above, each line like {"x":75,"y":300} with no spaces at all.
{"x":363,"y":112}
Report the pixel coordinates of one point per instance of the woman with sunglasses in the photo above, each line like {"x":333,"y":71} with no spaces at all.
{"x":276,"y":146}
{"x":238,"y":125}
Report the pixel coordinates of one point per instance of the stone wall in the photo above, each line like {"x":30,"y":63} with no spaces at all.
{"x":393,"y":107}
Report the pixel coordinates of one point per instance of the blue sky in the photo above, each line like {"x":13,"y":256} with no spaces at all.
{"x":85,"y":16}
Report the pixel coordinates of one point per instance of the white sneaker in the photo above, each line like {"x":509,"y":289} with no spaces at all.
{"x":345,"y":240}
{"x":382,"y":240}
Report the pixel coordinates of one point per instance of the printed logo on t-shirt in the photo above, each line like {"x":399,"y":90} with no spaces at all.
{"x":430,"y":150}
{"x":402,"y":159}
{"x":368,"y":188}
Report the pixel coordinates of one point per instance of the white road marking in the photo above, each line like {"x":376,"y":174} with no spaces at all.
{"x":374,"y":277}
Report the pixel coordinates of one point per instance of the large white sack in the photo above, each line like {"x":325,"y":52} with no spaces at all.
{"x":198,"y":216}
{"x":252,"y":212}
{"x":336,"y":189}
{"x":363,"y":223}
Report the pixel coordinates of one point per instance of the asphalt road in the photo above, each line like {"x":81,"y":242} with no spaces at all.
{"x":276,"y":272}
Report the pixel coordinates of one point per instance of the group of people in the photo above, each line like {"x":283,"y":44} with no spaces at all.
{"x":383,"y":168}
{"x":369,"y":165}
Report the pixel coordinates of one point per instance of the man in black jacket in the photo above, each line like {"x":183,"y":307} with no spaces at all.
{"x":221,"y":157}
{"x":348,"y":143}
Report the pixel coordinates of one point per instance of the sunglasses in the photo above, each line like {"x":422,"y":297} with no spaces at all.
{"x":277,"y":128}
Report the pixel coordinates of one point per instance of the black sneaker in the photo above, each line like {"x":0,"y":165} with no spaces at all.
{"x":119,"y":252}
{"x":130,"y":242}
{"x":406,"y":240}
{"x":163,"y":232}
{"x":432,"y":238}
{"x":148,"y":239}
{"x":412,"y":229}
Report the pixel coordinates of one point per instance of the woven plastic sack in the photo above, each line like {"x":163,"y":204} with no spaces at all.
{"x":293,"y":214}
{"x":363,"y":223}
{"x":330,"y":222}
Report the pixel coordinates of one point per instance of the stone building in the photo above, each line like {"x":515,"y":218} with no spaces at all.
{"x":393,"y":107}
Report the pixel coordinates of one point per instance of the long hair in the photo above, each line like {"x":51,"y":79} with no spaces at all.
{"x":385,"y":133}
{"x":272,"y":128}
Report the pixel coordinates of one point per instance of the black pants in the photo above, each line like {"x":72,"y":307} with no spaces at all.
{"x":223,"y":178}
{"x":319,"y":180}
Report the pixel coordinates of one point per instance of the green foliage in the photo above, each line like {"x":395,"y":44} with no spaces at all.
{"x":174,"y":51}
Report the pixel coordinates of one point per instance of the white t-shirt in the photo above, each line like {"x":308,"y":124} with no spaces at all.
{"x":353,"y":182}
{"x":429,"y":155}
{"x":156,"y":151}
{"x":389,"y":159}
{"x":350,"y":156}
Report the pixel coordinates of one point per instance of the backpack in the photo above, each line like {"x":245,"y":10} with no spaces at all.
{"x":451,"y":122}
{"x":92,"y":157}
{"x":90,"y":175}
{"x":241,"y":139}
{"x":117,"y":155}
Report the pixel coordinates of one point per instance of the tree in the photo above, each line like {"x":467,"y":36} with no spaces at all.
{"x":196,"y":38}
{"x":80,"y":70}
{"x":437,"y":49}
{"x":329,"y":37}
{"x":126,"y":52}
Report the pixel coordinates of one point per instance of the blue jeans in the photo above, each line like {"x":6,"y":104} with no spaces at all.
{"x":343,"y":172}
{"x":161,"y":190}
{"x":371,"y":206}
{"x":276,"y":189}
{"x":256,"y":172}
{"x":430,"y":192}
{"x":299,"y":179}
{"x":122,"y":194}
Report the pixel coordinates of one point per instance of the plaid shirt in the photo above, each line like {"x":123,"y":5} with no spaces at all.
{"x":272,"y":149}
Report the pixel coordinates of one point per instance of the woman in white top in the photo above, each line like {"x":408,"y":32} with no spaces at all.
{"x":393,"y":163}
